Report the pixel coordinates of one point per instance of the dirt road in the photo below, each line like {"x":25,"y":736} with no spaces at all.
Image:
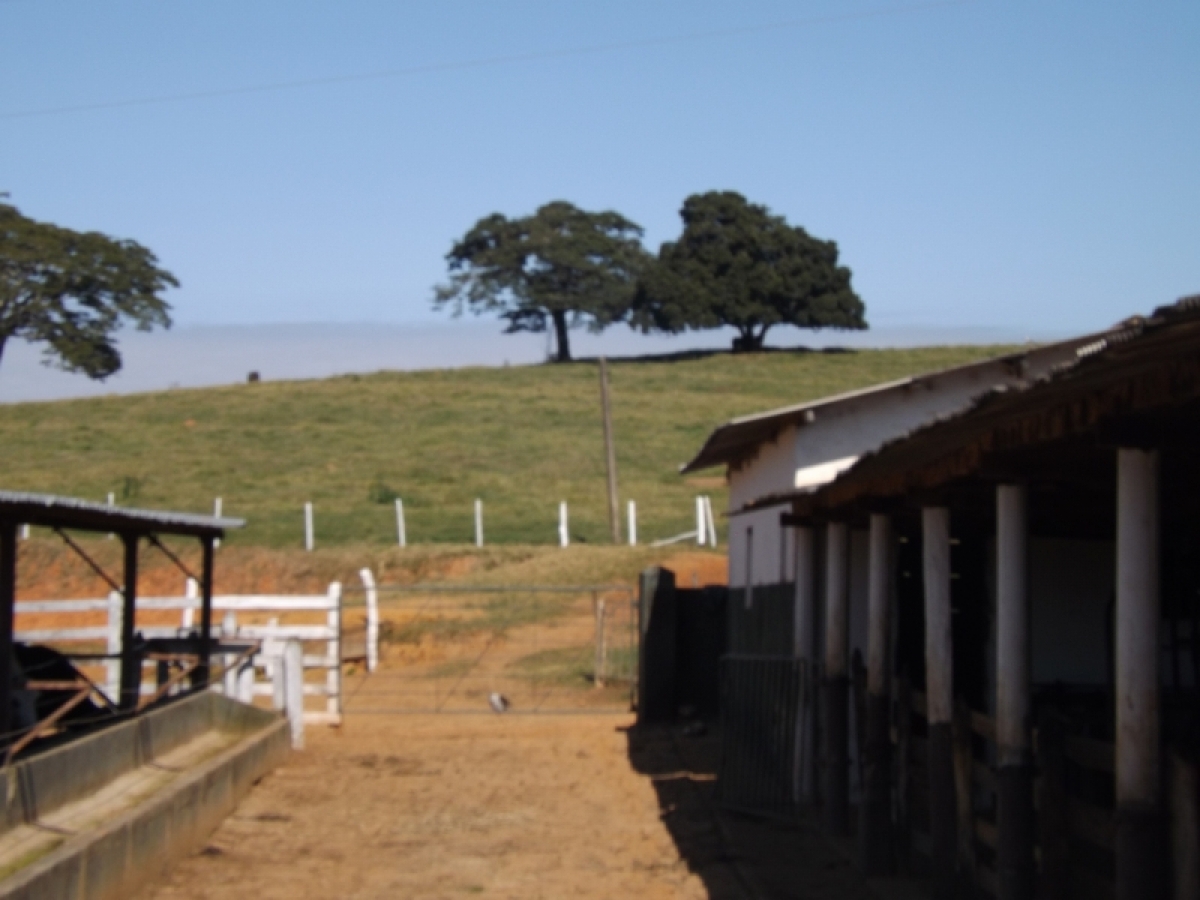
{"x":435,"y":806}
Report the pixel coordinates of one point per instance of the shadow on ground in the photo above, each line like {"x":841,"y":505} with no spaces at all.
{"x":736,"y":856}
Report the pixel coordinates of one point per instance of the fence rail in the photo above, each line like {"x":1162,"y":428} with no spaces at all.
{"x":325,"y":659}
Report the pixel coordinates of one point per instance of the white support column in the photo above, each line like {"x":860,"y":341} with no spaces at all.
{"x":803,"y":638}
{"x":478,"y":523}
{"x":879,"y":604}
{"x":939,"y":664}
{"x":803,"y":646}
{"x":632,"y":523}
{"x":401,"y":535}
{"x":1015,"y":868}
{"x":837,"y":685}
{"x":1013,"y":703}
{"x":309,"y":536}
{"x":701,"y":523}
{"x":939,"y":698}
{"x":837,"y":600}
{"x":1141,"y":864}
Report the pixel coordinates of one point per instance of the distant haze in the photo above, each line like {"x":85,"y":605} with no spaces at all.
{"x":200,"y":356}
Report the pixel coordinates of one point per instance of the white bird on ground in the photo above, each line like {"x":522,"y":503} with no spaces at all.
{"x":498,"y":702}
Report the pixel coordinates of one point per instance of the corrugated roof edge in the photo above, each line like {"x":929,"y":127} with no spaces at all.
{"x":98,"y":513}
{"x":785,"y":415}
{"x":1121,"y":333}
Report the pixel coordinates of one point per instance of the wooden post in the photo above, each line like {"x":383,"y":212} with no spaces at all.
{"x":610,"y":455}
{"x":1015,"y":870}
{"x":8,"y":600}
{"x":401,"y":537}
{"x":964,"y":809}
{"x":903,"y":832}
{"x":939,"y":694}
{"x":1053,"y":816}
{"x":1141,"y":834}
{"x":309,"y":534}
{"x":206,"y":597}
{"x":131,"y":660}
{"x":564,"y":533}
{"x":804,"y":624}
{"x":478,"y":522}
{"x":293,"y":680}
{"x":702,"y":523}
{"x":1185,"y":827}
{"x":875,"y":814}
{"x":372,"y":597}
{"x":837,"y":671}
{"x":632,"y":524}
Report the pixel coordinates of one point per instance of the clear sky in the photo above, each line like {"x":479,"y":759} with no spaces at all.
{"x":1018,"y":164}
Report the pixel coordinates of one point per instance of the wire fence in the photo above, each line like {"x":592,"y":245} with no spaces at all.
{"x":497,"y":648}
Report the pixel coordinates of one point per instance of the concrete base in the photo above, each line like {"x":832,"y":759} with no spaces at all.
{"x":113,"y":860}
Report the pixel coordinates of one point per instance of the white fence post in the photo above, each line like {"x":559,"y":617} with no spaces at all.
{"x":400,"y":535}
{"x":712,"y":525}
{"x":478,"y":523}
{"x":25,"y":532}
{"x":293,"y":693}
{"x":112,"y":501}
{"x":333,"y":677}
{"x":368,"y":580}
{"x":701,"y":523}
{"x":113,"y":666}
{"x":632,"y":524}
{"x":217,"y":515}
{"x":229,"y":630}
{"x":191,"y":591}
{"x":564,"y":534}
{"x":308,"y":527}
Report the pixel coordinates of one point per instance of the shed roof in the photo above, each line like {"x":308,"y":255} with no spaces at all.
{"x":1138,"y":366}
{"x":53,"y":511}
{"x":739,"y":438}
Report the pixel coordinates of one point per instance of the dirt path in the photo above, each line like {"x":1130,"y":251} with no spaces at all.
{"x":447,"y":806}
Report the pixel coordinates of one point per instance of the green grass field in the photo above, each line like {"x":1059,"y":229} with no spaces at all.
{"x":522,"y":438}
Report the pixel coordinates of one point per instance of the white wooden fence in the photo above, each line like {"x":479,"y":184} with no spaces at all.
{"x":255,"y":679}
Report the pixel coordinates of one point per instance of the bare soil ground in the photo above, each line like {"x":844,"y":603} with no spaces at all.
{"x":447,"y":806}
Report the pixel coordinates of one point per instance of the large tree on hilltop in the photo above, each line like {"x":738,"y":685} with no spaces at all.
{"x":73,"y":290}
{"x":737,"y":264}
{"x":561,"y":267}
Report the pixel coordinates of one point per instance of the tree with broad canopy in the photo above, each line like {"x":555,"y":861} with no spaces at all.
{"x":737,"y":264}
{"x":73,"y":290}
{"x":561,"y":267}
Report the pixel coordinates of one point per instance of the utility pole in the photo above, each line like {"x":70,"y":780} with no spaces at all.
{"x":610,"y":455}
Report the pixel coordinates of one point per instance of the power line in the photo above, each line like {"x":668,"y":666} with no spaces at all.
{"x":485,"y":62}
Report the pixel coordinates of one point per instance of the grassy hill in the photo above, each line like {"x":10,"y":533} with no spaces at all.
{"x":521,"y":438}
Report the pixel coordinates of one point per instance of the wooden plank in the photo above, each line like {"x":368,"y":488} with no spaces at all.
{"x":50,"y":635}
{"x":983,"y":777}
{"x":918,"y":750}
{"x":919,"y":705}
{"x":1086,"y":883}
{"x":985,"y":878}
{"x":983,"y":726}
{"x":985,"y":832}
{"x":1092,"y":823}
{"x":1090,"y":753}
{"x":61,"y":606}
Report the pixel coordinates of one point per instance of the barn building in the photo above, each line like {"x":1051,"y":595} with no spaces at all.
{"x":987,"y":626}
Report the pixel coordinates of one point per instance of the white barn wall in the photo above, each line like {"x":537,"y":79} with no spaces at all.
{"x":846,"y":428}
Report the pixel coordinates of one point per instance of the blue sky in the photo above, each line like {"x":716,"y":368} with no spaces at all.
{"x":1020,"y":165}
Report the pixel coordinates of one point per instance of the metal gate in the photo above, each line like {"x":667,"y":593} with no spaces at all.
{"x":460,"y":648}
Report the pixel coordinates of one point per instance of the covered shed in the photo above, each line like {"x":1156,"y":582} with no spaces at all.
{"x":138,"y":529}
{"x":1032,"y":628}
